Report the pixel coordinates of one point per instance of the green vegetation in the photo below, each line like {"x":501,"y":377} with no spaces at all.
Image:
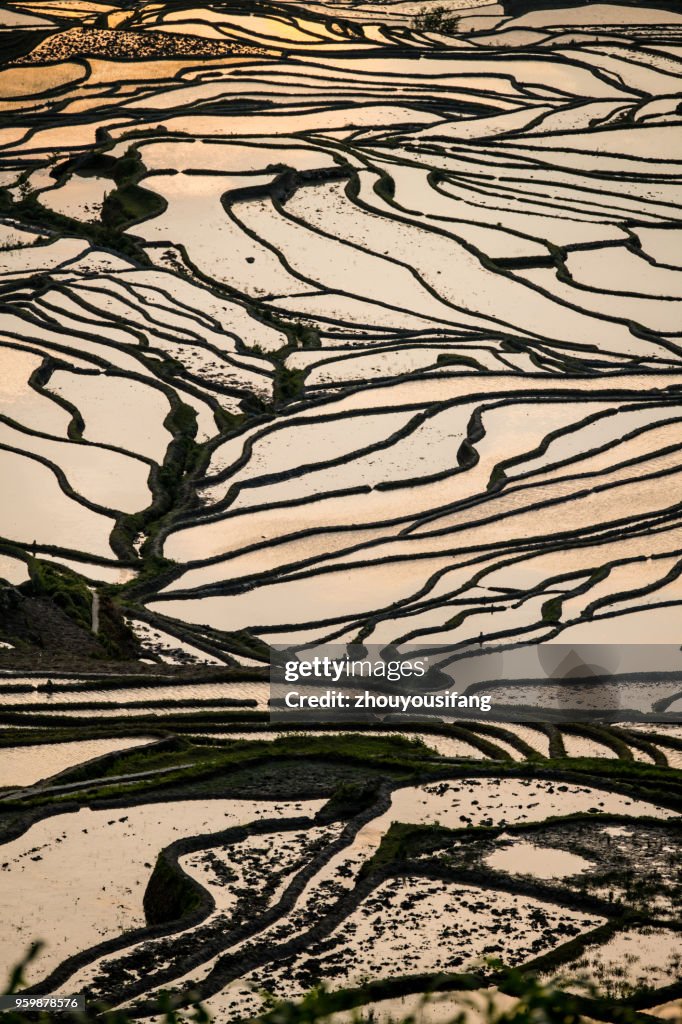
{"x":289,"y":384}
{"x":315,"y":765}
{"x":400,"y":842}
{"x":385,"y":186}
{"x":129,"y":204}
{"x":436,"y":19}
{"x":170,"y":893}
{"x":30,"y":210}
{"x":533,"y":1002}
{"x":445,"y":359}
{"x":348,"y":799}
{"x":185,"y":764}
{"x":304,"y":335}
{"x":64,"y":587}
{"x":551,"y":610}
{"x":184,"y":767}
{"x":16,"y":984}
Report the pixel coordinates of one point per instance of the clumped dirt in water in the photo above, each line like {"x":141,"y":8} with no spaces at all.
{"x":121,"y":45}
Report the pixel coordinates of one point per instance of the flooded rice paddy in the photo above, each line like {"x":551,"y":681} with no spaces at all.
{"x":337,"y":321}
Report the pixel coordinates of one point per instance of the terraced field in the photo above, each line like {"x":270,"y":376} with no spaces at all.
{"x":353,"y":322}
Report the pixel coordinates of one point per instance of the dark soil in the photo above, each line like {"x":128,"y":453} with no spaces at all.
{"x":41,"y":632}
{"x":46,"y":639}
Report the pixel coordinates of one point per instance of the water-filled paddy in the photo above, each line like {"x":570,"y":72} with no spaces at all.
{"x":336,"y":324}
{"x":24,"y":766}
{"x":108,"y":856}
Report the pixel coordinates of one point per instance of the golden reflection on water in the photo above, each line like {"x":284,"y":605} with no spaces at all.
{"x":15,"y":368}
